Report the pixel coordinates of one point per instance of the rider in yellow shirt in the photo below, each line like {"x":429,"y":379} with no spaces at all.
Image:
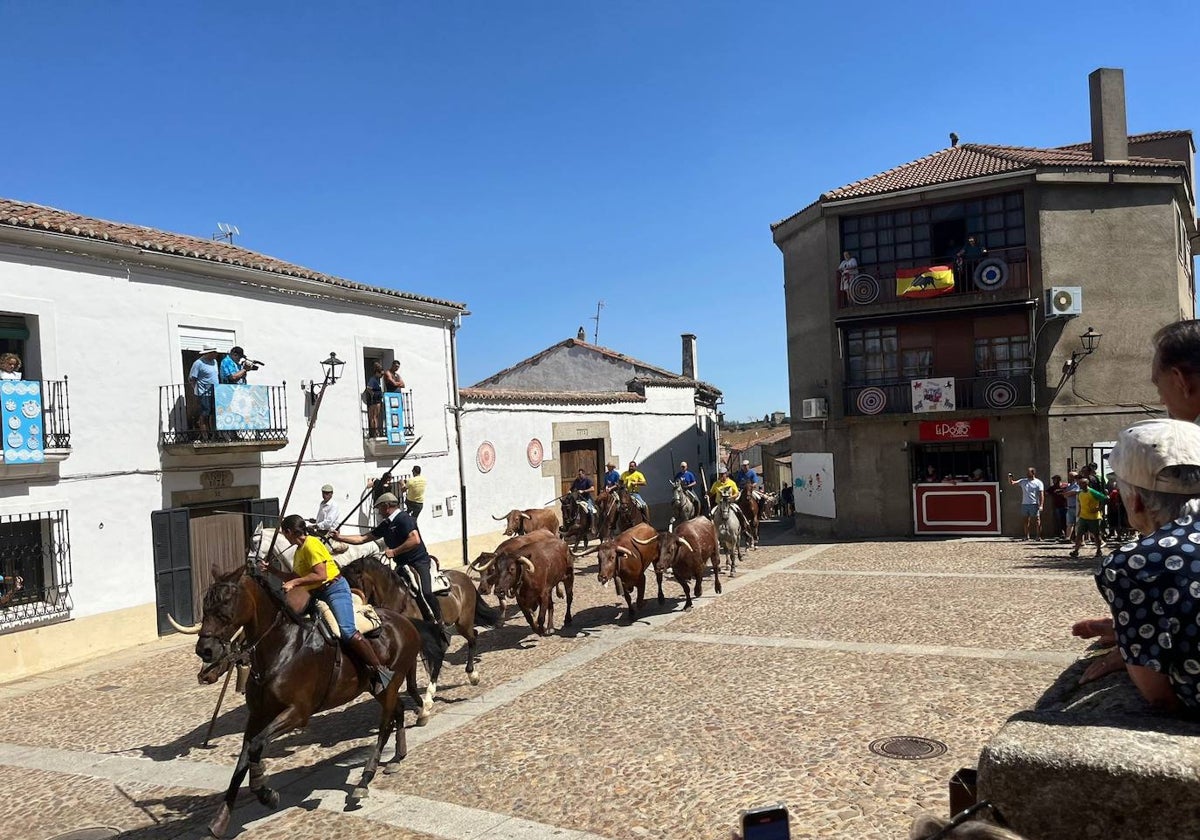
{"x":634,"y":481}
{"x":722,"y":484}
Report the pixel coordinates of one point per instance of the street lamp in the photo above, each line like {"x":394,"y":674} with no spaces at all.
{"x":1090,"y":340}
{"x":333,"y":372}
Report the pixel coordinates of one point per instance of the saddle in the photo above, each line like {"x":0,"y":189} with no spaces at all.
{"x":366,"y":620}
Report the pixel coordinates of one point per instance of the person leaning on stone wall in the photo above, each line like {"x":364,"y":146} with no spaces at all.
{"x":1152,"y":584}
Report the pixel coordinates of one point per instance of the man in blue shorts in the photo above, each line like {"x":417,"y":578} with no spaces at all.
{"x":1033,"y":497}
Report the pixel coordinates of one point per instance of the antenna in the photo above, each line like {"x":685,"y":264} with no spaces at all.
{"x":227,"y":232}
{"x":596,"y":318}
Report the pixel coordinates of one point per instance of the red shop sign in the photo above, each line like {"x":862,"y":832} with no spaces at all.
{"x":977,"y":429}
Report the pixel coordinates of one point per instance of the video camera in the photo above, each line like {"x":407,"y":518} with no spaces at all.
{"x":251,"y":364}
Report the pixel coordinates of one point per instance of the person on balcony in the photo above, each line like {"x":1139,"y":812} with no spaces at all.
{"x":966,"y":258}
{"x":204,"y":376}
{"x":846,"y":269}
{"x":10,"y":366}
{"x":327,"y":512}
{"x":392,"y":381}
{"x":373,"y":397}
{"x":232,"y":371}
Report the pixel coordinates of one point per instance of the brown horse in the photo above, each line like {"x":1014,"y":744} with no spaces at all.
{"x":620,"y":513}
{"x":749,"y":506}
{"x":294,"y":673}
{"x":578,"y":525}
{"x":462,"y":608}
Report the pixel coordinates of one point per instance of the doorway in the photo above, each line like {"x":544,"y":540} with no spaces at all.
{"x":576,"y":455}
{"x":946,"y":238}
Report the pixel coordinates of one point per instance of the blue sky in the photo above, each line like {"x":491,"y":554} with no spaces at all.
{"x":534,"y":158}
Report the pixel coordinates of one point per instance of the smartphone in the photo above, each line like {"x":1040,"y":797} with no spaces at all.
{"x":769,"y":822}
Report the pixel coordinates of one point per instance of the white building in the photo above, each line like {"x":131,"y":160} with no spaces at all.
{"x":120,"y":523}
{"x":531,"y":427}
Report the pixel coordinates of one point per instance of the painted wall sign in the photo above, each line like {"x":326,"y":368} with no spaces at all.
{"x":485,"y":456}
{"x":393,"y":414}
{"x":933,"y":395}
{"x":976,"y":429}
{"x":533,"y":453}
{"x":812,"y":483}
{"x":21,"y":413}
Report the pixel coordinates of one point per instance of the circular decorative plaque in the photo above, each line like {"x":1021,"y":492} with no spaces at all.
{"x":485,"y":456}
{"x":534,"y":453}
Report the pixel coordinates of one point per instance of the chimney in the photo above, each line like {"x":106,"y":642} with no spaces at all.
{"x":689,"y":355}
{"x":1110,"y":136}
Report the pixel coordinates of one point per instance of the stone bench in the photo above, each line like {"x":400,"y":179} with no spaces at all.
{"x":1095,"y":761}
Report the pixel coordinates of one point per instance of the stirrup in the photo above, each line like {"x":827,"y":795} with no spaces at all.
{"x":380,"y":679}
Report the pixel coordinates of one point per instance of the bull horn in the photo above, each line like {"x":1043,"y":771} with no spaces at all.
{"x":527,"y":563}
{"x":194,"y":630}
{"x":685,"y":544}
{"x":500,"y":518}
{"x":644,"y":542}
{"x":482,"y":567}
{"x":587,"y":551}
{"x":526,"y":516}
{"x":623,"y":550}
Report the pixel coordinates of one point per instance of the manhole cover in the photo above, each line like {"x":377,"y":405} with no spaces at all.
{"x":95,"y":833}
{"x":907,"y":747}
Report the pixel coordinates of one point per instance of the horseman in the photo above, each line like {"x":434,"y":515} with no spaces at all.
{"x":404,"y":546}
{"x":634,"y":481}
{"x":316,"y":571}
{"x":687,"y":480}
{"x":583,"y":487}
{"x":611,"y":477}
{"x":746,"y":473}
{"x":722,"y":485}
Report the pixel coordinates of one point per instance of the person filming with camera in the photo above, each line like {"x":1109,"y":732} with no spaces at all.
{"x":235,"y":367}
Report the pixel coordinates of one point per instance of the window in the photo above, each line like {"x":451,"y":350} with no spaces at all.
{"x":872,"y":355}
{"x":35,"y":547}
{"x":1007,"y":355}
{"x":918,"y":363}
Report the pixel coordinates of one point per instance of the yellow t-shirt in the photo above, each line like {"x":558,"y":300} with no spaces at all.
{"x":634,"y":480}
{"x":723,"y":484}
{"x":1089,"y":505}
{"x":415,"y":489}
{"x":313,"y":552}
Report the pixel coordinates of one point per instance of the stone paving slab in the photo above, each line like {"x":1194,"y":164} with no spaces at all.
{"x":998,"y":555}
{"x":670,"y":740}
{"x":973,"y":612}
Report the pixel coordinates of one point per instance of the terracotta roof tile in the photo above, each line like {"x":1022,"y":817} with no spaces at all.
{"x":498,"y":395}
{"x":22,"y":214}
{"x":1134,"y":139}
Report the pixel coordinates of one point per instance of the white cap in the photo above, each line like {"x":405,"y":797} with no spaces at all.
{"x":722,"y":469}
{"x":1148,"y":447}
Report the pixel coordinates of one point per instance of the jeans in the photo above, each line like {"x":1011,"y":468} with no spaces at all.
{"x":414,"y":508}
{"x":337,"y":596}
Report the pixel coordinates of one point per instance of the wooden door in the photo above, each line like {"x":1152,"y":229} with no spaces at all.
{"x":217,"y":542}
{"x":576,"y":455}
{"x":172,"y":568}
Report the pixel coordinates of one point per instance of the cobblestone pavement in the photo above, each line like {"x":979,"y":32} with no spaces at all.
{"x":665,"y":728}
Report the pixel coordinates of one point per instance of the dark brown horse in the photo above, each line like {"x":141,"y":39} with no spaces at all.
{"x":578,"y":525}
{"x":620,"y":514}
{"x":748,"y":503}
{"x":295,"y":673}
{"x":462,"y":608}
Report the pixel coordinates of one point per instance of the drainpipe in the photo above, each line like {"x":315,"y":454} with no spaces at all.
{"x":458,"y":442}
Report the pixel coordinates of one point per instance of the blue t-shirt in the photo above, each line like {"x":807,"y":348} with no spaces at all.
{"x":1152,"y":586}
{"x":612,"y":478}
{"x":745,"y":475}
{"x":228,"y":368}
{"x":205,"y":374}
{"x":582,"y":484}
{"x":394,"y":531}
{"x":686,"y":477}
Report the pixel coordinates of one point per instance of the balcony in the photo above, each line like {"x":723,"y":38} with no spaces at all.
{"x":237,"y":418}
{"x":381,"y":424}
{"x":998,"y":274}
{"x":995,"y":392}
{"x":37,"y":423}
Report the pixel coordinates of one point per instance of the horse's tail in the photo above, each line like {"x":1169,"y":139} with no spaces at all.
{"x":433,"y":646}
{"x":485,"y":614}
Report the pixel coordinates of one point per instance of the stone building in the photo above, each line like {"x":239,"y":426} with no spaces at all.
{"x":119,"y":513}
{"x":1029,"y":345}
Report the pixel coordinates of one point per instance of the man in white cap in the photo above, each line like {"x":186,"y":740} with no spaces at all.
{"x":1152,"y":585}
{"x":203,"y":377}
{"x":327,"y":513}
{"x":687,"y":480}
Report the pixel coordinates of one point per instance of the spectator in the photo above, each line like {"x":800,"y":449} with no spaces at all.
{"x":1176,"y":369}
{"x":414,"y":493}
{"x":203,"y":377}
{"x":232,"y":371}
{"x":1071,"y":492}
{"x":1151,"y":585}
{"x":6,"y":599}
{"x":967,"y":258}
{"x":977,"y":474}
{"x":373,"y":397}
{"x":381,"y":485}
{"x":1033,"y":499}
{"x":392,"y":382}
{"x":1058,"y":499}
{"x":10,"y":366}
{"x":327,"y":512}
{"x":787,"y":500}
{"x":931,"y":475}
{"x":846,"y":269}
{"x":1091,"y":501}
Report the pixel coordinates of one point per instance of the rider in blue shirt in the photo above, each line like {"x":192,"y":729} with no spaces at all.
{"x":746,"y":474}
{"x":687,"y":480}
{"x":584,"y":486}
{"x":611,"y":477}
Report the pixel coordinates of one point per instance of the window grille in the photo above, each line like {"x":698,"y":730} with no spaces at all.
{"x":37,"y":548}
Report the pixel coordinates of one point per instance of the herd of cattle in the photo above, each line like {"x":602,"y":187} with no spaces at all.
{"x":535,"y":563}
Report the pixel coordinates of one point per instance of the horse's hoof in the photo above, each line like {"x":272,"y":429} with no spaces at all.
{"x":220,"y":823}
{"x":268,"y":796}
{"x":359,"y":793}
{"x":422,"y":717}
{"x":473,"y":678}
{"x":391,"y":769}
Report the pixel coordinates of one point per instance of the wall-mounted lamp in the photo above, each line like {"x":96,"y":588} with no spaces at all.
{"x":333,"y":372}
{"x":1090,"y":340}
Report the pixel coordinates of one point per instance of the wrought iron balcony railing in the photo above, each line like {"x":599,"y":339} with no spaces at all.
{"x":241,"y":416}
{"x":376,"y":419}
{"x":992,"y":392}
{"x":998,"y":270}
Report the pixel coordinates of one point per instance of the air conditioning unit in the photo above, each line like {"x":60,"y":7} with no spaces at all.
{"x":816,"y":408}
{"x":1063,"y":301}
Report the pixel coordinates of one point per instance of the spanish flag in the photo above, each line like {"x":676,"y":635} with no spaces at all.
{"x":929,"y":281}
